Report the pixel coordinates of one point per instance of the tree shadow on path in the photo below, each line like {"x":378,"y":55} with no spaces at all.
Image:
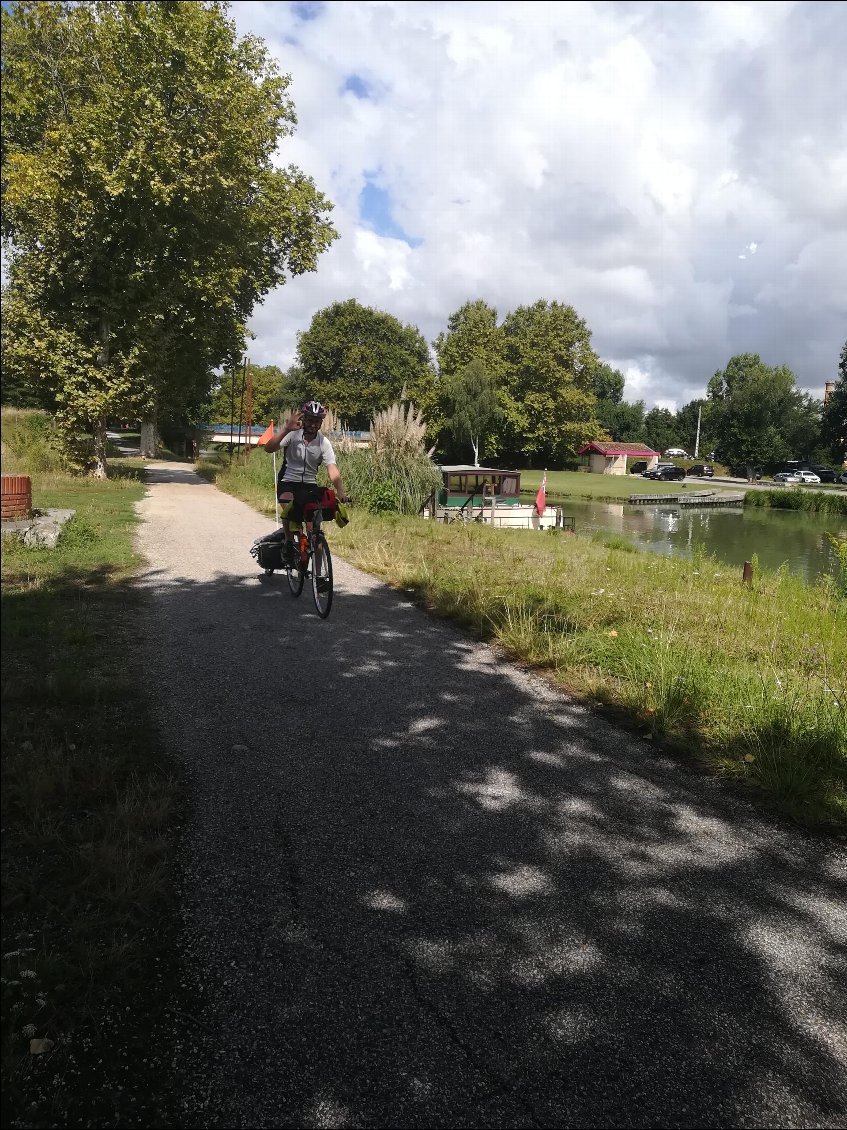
{"x":422,"y":888}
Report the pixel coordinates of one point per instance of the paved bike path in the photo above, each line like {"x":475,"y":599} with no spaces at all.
{"x":422,"y":888}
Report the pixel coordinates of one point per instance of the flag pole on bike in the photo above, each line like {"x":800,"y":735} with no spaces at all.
{"x":260,"y":442}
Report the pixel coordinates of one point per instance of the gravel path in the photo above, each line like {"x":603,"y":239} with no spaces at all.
{"x":422,"y":888}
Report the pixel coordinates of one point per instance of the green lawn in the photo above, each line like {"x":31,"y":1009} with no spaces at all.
{"x":580,"y":484}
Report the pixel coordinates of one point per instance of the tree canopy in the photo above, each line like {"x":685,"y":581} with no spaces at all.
{"x":608,"y":383}
{"x":359,"y":360}
{"x":472,"y":335}
{"x":472,"y":405}
{"x":268,"y":395}
{"x":834,"y":423}
{"x":660,"y":429}
{"x":143,"y":213}
{"x":758,"y":415}
{"x":549,"y":399}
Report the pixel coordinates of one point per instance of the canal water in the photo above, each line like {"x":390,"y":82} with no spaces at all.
{"x":731,"y":534}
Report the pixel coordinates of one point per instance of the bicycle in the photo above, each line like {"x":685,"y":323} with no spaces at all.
{"x":312,"y":556}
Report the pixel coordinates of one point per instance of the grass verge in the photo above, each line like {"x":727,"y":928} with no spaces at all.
{"x":751,"y":683}
{"x":88,"y":803}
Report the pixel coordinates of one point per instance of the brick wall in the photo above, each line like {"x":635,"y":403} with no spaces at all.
{"x":16,"y":496}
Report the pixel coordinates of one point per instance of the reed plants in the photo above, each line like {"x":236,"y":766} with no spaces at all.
{"x":799,"y":498}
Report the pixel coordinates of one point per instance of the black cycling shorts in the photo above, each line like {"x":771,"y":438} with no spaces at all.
{"x":303,"y":493}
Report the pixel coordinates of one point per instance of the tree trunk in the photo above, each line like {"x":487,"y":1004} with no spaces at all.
{"x":149,"y":437}
{"x":475,"y":444}
{"x":101,"y":469}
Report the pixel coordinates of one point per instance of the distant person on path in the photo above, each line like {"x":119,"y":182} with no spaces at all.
{"x":304,"y":449}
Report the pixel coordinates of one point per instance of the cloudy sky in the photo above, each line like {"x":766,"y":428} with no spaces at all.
{"x":677,"y":172}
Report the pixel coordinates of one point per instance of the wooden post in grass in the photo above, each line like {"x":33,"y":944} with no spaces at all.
{"x":747,"y":575}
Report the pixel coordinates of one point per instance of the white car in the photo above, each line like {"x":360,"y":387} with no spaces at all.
{"x":787,"y":477}
{"x":808,"y":477}
{"x":676,"y":453}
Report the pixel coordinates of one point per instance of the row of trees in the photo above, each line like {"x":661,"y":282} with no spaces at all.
{"x":753,"y":414}
{"x":523,"y":388}
{"x":531,"y":389}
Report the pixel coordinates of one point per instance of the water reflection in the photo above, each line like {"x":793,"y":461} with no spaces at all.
{"x":732,"y":534}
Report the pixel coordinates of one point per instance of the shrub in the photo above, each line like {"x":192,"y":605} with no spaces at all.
{"x":31,"y":441}
{"x":390,"y":480}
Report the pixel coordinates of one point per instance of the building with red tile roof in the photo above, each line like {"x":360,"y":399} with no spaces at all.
{"x":609,"y":458}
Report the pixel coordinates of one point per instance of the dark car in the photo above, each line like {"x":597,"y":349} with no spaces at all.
{"x":653,"y":472}
{"x":702,"y":470}
{"x":638,"y":468}
{"x":669,"y":474}
{"x":826,"y":474}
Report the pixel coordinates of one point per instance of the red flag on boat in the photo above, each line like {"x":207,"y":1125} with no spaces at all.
{"x":266,"y":435}
{"x":541,"y":497}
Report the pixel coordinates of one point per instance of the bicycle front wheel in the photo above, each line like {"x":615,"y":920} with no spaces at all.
{"x":322,"y":576}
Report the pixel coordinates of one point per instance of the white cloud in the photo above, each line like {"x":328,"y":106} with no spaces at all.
{"x":677,"y":173}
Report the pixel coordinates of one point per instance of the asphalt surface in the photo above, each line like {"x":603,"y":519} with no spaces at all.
{"x":421,"y":888}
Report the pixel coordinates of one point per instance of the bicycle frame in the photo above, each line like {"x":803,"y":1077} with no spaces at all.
{"x":312,"y":550}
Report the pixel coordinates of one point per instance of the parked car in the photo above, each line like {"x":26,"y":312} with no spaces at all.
{"x":808,"y":477}
{"x":843,"y":478}
{"x":670,"y":473}
{"x":638,"y":468}
{"x":826,"y":474}
{"x":702,"y":470}
{"x":676,"y":453}
{"x":787,"y":477}
{"x":653,"y":472}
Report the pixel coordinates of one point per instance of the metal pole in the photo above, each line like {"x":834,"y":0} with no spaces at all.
{"x":241,"y":408}
{"x":248,"y":408}
{"x":231,"y":406}
{"x":276,"y":496}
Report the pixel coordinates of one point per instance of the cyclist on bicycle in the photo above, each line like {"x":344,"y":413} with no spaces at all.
{"x":304,"y":449}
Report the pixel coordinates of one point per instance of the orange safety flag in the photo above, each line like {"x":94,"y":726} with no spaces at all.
{"x":541,"y":497}
{"x":266,"y":435}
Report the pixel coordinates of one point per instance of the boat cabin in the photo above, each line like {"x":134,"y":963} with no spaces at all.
{"x":463,"y":485}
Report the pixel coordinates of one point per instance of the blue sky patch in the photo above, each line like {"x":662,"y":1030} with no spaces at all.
{"x":307,"y":9}
{"x":357,"y":86}
{"x":375,"y":211}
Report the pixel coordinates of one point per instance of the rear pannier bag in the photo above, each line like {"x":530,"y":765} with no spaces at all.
{"x":268,"y":550}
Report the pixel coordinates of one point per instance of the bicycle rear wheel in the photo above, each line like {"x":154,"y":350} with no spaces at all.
{"x":296,"y":577}
{"x":322,"y":576}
